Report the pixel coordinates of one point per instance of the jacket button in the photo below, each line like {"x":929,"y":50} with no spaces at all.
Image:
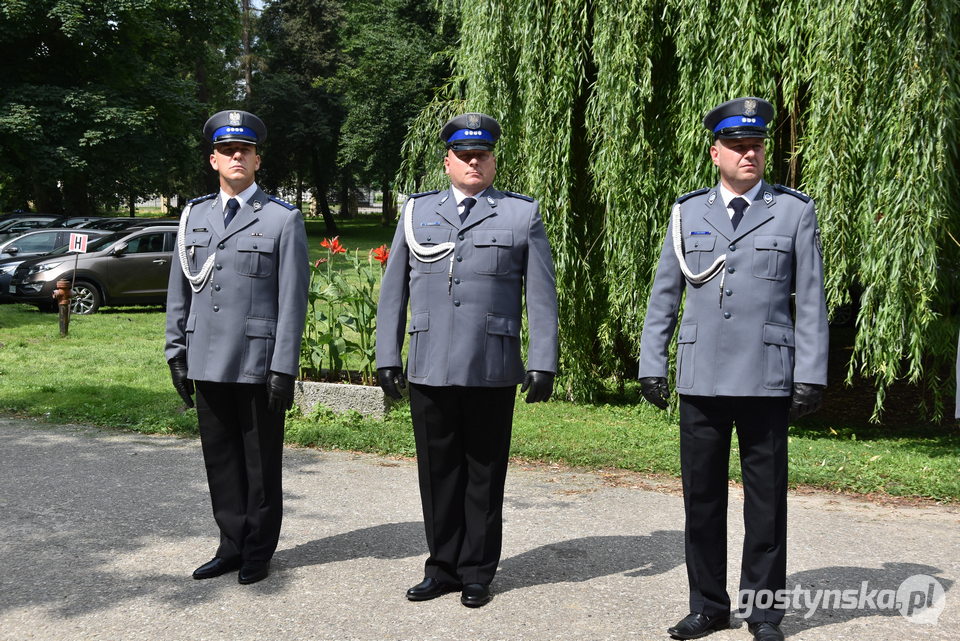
{"x":728,"y":292}
{"x":696,"y":244}
{"x":254,"y":246}
{"x":216,"y":308}
{"x":429,"y":238}
{"x":220,"y":246}
{"x":216,"y":287}
{"x":460,"y":236}
{"x":733,"y":247}
{"x":726,"y":314}
{"x":785,"y":338}
{"x":774,"y":243}
{"x":493,"y":240}
{"x":456,"y":303}
{"x":730,"y":270}
{"x":459,"y":259}
{"x":456,"y":281}
{"x":219,"y":266}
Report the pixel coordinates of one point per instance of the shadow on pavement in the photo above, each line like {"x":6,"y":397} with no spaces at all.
{"x":591,"y":557}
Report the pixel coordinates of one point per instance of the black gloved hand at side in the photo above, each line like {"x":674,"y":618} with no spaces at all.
{"x":655,"y":390}
{"x":279,"y":392}
{"x":183,"y":385}
{"x":540,"y":385}
{"x":391,"y":381}
{"x":807,"y":399}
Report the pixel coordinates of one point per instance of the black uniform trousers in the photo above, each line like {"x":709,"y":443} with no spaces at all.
{"x":706,"y":425}
{"x":242,"y":444}
{"x":463,"y":442}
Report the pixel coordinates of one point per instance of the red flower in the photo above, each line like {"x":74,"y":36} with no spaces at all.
{"x":381,"y":254}
{"x":333,"y":245}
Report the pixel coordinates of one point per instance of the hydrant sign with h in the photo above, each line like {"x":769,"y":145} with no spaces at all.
{"x":78,"y":243}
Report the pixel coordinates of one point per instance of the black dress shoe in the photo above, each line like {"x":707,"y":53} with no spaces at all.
{"x":765,"y":631}
{"x":215,"y":567}
{"x":430,"y":588}
{"x":475,"y":595}
{"x":696,"y":625}
{"x":253,"y":571}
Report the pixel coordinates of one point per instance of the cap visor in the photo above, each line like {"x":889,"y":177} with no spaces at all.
{"x":727,"y":134}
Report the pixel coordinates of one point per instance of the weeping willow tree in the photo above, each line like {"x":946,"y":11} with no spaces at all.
{"x":601,"y":103}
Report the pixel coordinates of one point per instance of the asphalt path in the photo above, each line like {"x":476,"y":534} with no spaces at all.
{"x":100,"y":531}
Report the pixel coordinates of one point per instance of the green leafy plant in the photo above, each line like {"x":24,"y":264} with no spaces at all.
{"x":342,"y":315}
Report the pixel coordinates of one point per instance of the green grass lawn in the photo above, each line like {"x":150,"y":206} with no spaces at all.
{"x":110,"y":371}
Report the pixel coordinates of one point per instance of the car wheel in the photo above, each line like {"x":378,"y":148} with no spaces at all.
{"x":86,"y":298}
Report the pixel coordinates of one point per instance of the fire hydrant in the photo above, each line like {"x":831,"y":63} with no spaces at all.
{"x":62,"y":296}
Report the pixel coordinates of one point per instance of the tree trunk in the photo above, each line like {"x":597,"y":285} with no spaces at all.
{"x":320,"y":193}
{"x":388,"y":211}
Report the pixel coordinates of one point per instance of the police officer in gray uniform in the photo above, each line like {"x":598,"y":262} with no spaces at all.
{"x":236,"y":307}
{"x":738,"y":250}
{"x":464,"y":258}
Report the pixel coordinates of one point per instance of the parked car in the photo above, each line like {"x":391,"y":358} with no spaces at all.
{"x":124,"y":268}
{"x":117,"y":224}
{"x":77,"y":221}
{"x":34,"y":243}
{"x":13,"y":227}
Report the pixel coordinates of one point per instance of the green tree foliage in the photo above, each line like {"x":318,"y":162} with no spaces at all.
{"x":99,"y":99}
{"x":392,"y":64}
{"x":602,"y":103}
{"x":298,"y":52}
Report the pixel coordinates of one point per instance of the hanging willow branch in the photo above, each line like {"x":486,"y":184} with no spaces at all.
{"x":602,"y":101}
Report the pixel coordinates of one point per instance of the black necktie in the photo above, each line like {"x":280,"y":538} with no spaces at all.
{"x":737,"y":205}
{"x":468,"y":204}
{"x":232,"y":207}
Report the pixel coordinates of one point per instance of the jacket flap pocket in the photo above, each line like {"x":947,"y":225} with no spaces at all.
{"x":699,"y":243}
{"x":419,"y":322}
{"x":774,"y":334}
{"x":191,"y":322}
{"x":261,"y":327}
{"x":255,"y":244}
{"x":196,"y":239}
{"x":503,"y":325}
{"x":776,"y":243}
{"x":493,"y":237}
{"x":687,"y":333}
{"x":431,"y":235}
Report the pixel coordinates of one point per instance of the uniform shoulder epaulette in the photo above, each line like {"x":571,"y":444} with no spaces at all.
{"x":691,"y":194}
{"x":282,"y":203}
{"x":202,"y":198}
{"x":793,"y":192}
{"x":425,"y":193}
{"x":514,"y":194}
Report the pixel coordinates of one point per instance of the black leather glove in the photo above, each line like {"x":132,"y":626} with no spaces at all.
{"x":279,"y":392}
{"x":540,"y":385}
{"x":807,"y":399}
{"x":183,"y":385}
{"x":391,"y":380}
{"x":655,"y":390}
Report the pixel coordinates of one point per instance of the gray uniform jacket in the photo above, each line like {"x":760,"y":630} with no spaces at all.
{"x":465,"y":325}
{"x":741,"y":340}
{"x":248,"y":319}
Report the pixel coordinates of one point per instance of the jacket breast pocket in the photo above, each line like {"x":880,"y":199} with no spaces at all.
{"x":778,"y":355}
{"x":491,"y":249}
{"x":698,"y":251}
{"x":431,"y":237}
{"x":261,"y":335}
{"x":501,"y":352}
{"x":419,"y":354}
{"x":772,"y":257}
{"x":686,"y":355}
{"x":255,"y":256}
{"x":196,"y":244}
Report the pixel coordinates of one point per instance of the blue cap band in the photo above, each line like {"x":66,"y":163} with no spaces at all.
{"x":741,"y":121}
{"x":471,"y":134}
{"x":236,"y":131}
